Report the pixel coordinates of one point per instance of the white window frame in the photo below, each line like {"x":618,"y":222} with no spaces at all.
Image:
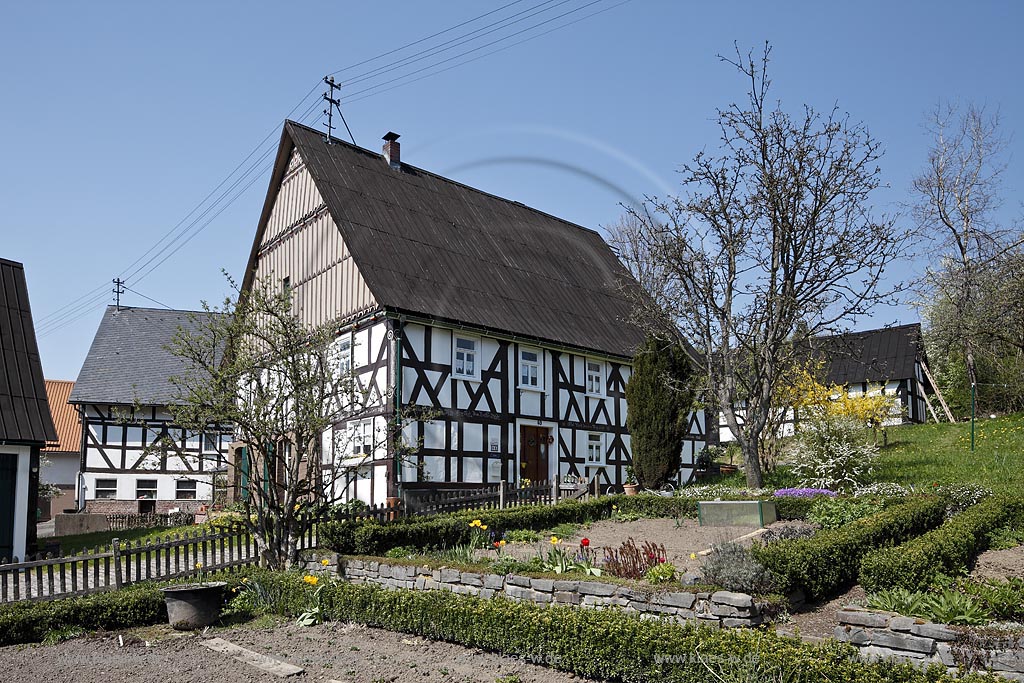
{"x":595,"y":439}
{"x":97,"y":488}
{"x":345,"y":356}
{"x":361,"y":441}
{"x":538,"y":364}
{"x":588,"y":376}
{"x":154,"y":489}
{"x":178,"y":491}
{"x":477,"y":353}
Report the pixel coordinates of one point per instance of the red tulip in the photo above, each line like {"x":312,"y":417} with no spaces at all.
{"x":585,"y":543}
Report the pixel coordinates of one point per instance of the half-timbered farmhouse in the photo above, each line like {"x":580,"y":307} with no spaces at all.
{"x":134,"y":459}
{"x":25,"y":422}
{"x":506,"y":324}
{"x":890,"y":361}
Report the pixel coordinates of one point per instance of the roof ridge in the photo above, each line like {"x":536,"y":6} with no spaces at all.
{"x":450,"y":180}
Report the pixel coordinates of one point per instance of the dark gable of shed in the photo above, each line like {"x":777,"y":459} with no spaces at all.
{"x":24,"y":409}
{"x":430,"y":246}
{"x":879,"y":355}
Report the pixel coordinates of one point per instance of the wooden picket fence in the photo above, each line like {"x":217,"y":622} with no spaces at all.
{"x":149,"y":521}
{"x":487,"y":497}
{"x":122,"y":563}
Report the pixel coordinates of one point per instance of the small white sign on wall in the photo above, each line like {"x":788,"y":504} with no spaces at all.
{"x":494,"y":445}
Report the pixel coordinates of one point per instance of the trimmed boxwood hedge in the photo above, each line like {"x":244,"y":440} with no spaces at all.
{"x":138,"y":605}
{"x":598,"y":644}
{"x":948,"y":549}
{"x":30,"y":622}
{"x":830,"y":560}
{"x":376,"y":538}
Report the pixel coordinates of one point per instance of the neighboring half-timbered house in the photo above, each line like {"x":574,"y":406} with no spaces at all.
{"x":504,"y":326}
{"x":134,"y":458}
{"x":890,"y":361}
{"x":25,"y":421}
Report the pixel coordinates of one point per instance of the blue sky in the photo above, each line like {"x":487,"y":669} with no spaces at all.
{"x":119,"y":118}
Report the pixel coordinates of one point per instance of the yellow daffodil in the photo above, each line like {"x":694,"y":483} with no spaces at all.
{"x":311,"y":580}
{"x":483,"y":527}
{"x":245,"y":579}
{"x":296,"y":507}
{"x":501,"y":542}
{"x":615,"y":507}
{"x":554,"y":540}
{"x":325,"y":562}
{"x":199,"y":565}
{"x":693,"y":556}
{"x":475,"y":522}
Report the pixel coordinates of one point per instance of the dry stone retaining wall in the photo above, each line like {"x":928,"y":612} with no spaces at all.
{"x":719,"y":609}
{"x":885,"y":635}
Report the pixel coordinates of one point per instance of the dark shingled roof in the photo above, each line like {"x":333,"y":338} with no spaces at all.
{"x":871,"y":356}
{"x":129,"y":361}
{"x":24,"y":409}
{"x":428,"y":245}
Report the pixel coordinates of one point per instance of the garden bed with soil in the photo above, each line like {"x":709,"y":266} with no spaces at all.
{"x":356,"y":655}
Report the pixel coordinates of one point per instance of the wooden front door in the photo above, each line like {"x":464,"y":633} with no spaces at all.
{"x":8,"y":490}
{"x":533,"y":453}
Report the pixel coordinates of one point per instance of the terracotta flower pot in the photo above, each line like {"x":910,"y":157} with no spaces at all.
{"x":192,"y":606}
{"x":631,"y":489}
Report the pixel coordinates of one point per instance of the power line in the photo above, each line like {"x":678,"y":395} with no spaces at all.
{"x":374,"y":90}
{"x":147,"y":298}
{"x":476,"y":49}
{"x":178,"y":236}
{"x":458,"y":41}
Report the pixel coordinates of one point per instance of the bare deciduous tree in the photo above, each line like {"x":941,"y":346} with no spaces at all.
{"x":772,"y":241}
{"x":282,"y":385}
{"x":957,"y":201}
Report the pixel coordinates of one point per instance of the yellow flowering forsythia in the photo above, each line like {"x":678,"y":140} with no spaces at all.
{"x":808,"y":395}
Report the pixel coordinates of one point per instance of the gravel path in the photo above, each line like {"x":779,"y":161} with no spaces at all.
{"x":351,"y":654}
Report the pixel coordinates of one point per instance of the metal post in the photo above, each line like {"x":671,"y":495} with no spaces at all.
{"x":554,"y":489}
{"x":501,"y":495}
{"x":973,"y":401}
{"x":116,"y":545}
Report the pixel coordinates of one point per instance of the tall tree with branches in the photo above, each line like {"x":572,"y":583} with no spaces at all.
{"x":772,"y":241}
{"x":957,"y":202}
{"x":281,"y":384}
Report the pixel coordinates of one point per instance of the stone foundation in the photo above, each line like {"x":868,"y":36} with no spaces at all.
{"x":719,"y":609}
{"x":885,"y":635}
{"x":106,"y":506}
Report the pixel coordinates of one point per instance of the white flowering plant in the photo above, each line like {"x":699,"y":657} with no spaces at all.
{"x":831,"y":452}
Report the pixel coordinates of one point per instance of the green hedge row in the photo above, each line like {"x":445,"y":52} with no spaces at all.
{"x":948,"y":549}
{"x":595,"y":644}
{"x":831,"y":559}
{"x":30,"y":622}
{"x":374,"y":538}
{"x":139,"y":605}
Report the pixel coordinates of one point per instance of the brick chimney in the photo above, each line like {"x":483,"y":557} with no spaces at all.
{"x":392,"y":150}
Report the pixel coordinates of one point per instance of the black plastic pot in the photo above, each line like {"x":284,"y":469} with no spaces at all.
{"x":193,"y":606}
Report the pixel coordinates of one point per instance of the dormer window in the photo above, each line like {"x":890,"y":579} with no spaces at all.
{"x":465,"y":363}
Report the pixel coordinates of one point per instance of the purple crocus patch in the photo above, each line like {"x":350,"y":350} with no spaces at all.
{"x":803,"y":493}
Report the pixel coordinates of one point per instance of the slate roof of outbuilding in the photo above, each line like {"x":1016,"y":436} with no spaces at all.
{"x":129,"y":360}
{"x":24,"y":411}
{"x":878,"y":355}
{"x":428,"y":245}
{"x":65,"y":417}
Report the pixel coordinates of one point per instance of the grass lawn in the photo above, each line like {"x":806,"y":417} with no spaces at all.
{"x":69,"y":545}
{"x":941,"y":453}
